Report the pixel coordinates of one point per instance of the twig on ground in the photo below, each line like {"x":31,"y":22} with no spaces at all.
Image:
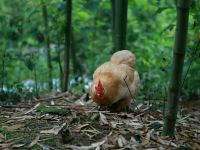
{"x":51,"y":98}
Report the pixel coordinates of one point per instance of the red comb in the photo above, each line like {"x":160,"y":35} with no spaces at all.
{"x":99,"y":86}
{"x":99,"y":89}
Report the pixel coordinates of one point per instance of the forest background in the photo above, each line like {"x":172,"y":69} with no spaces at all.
{"x":33,"y":41}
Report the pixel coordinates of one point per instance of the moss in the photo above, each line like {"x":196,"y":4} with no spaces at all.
{"x":2,"y":120}
{"x":50,"y":110}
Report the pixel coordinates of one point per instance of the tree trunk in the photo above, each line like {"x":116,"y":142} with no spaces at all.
{"x":3,"y":70}
{"x":177,"y":68}
{"x":119,"y":23}
{"x":67,"y":44}
{"x":47,"y":42}
{"x":76,"y":66}
{"x":36,"y":82}
{"x":59,"y":64}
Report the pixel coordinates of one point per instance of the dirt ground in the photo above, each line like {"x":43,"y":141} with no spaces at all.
{"x":67,"y":121}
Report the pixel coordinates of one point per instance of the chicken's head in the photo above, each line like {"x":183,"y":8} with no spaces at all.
{"x":99,"y":90}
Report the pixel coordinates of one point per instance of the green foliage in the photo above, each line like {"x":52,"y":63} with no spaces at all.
{"x":94,"y":116}
{"x":150,"y":35}
{"x":15,"y":93}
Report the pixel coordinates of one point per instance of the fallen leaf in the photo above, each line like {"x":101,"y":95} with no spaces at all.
{"x":14,"y":127}
{"x":34,"y":142}
{"x":18,"y":145}
{"x":136,"y":125}
{"x":103,"y":119}
{"x":196,"y":146}
{"x":163,"y":142}
{"x":2,"y":138}
{"x":44,"y":147}
{"x":32,"y":109}
{"x":121,"y":141}
{"x":155,"y":125}
{"x":79,"y":127}
{"x":115,"y":123}
{"x":146,"y":140}
{"x":133,"y":141}
{"x":92,"y":146}
{"x":54,"y":131}
{"x":98,"y":143}
{"x":5,"y":146}
{"x":22,"y":118}
{"x":80,"y":102}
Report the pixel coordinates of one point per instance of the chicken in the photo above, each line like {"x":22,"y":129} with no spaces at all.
{"x":113,"y":80}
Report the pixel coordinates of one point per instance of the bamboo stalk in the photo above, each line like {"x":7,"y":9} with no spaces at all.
{"x":68,"y":31}
{"x":120,"y":23}
{"x":177,"y":67}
